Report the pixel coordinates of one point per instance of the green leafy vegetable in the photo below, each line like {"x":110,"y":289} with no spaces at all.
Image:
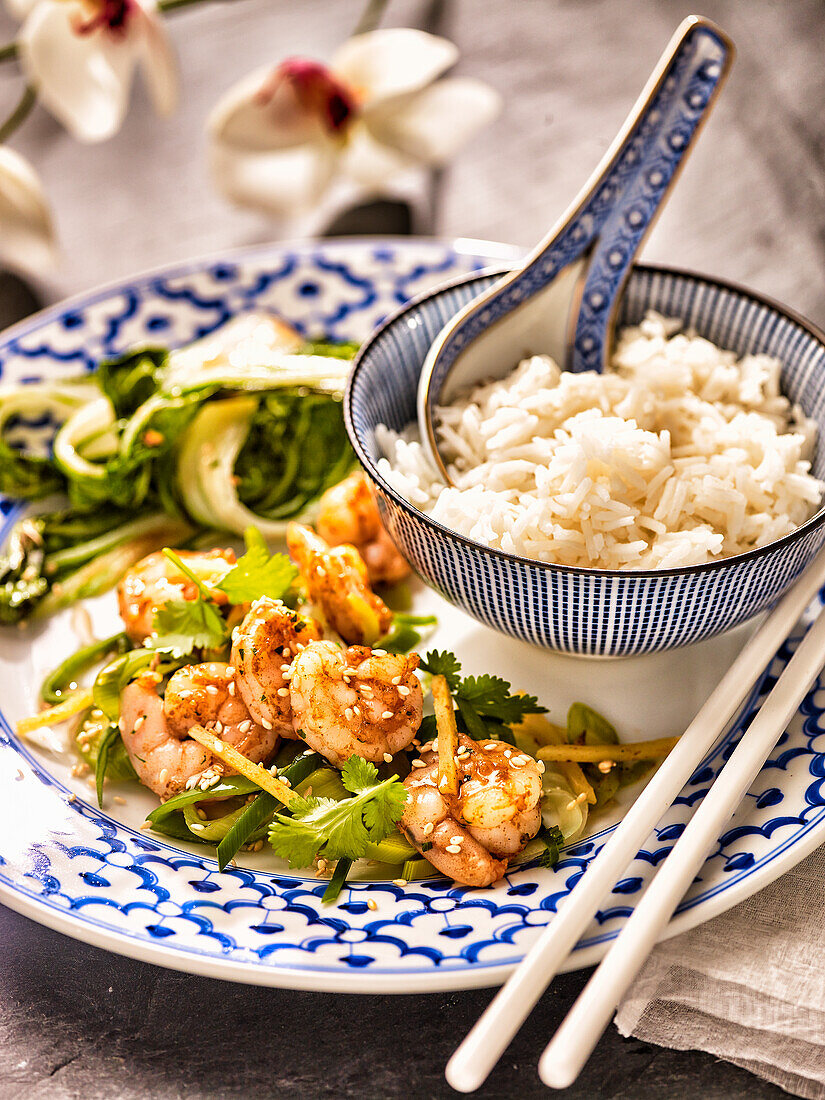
{"x":336,"y":883}
{"x":131,"y":379}
{"x":181,"y":626}
{"x":336,"y":830}
{"x":89,"y":738}
{"x":553,"y":841}
{"x":168,"y":818}
{"x":258,"y":573}
{"x":403,"y":636}
{"x":113,"y":678}
{"x":70,"y":670}
{"x":264,"y":806}
{"x":587,"y":726}
{"x":110,"y":736}
{"x":486,"y":705}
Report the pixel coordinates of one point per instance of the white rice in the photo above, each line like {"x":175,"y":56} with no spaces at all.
{"x":677,"y":455}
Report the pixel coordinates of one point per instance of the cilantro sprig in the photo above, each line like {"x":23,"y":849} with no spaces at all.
{"x":181,"y":626}
{"x":486,"y":705}
{"x":257,"y":573}
{"x":340,"y":830}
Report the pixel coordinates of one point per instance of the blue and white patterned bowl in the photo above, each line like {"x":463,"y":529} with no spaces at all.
{"x":592,"y":612}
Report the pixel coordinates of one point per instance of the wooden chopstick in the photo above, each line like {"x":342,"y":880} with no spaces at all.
{"x":579,"y":1032}
{"x":486,"y":1042}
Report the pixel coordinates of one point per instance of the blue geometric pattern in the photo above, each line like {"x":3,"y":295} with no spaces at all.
{"x":66,"y":863}
{"x":592,"y":612}
{"x":614,"y":217}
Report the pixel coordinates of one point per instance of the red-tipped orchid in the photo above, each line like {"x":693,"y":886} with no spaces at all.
{"x":280,"y":137}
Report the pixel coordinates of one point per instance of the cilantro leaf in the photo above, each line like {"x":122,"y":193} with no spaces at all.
{"x":340,"y":830}
{"x":554,"y":840}
{"x":257,"y":573}
{"x":444,"y":664}
{"x":181,"y":626}
{"x":486,"y":705}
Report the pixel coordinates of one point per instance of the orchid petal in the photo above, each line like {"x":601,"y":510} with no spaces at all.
{"x":373,"y":165}
{"x":392,"y":62}
{"x":432,"y":124}
{"x":284,"y":182}
{"x":83,"y":79}
{"x":158,"y":62}
{"x":241,"y":119}
{"x":26,"y":231}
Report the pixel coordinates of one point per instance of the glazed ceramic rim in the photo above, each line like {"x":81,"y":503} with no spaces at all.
{"x":417,"y":515}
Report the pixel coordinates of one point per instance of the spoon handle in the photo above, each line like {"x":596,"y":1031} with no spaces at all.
{"x":621,"y":201}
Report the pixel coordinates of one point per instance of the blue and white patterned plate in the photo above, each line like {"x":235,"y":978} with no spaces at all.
{"x":96,"y":876}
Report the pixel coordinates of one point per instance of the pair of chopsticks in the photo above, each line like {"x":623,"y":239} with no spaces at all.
{"x":578,"y":1034}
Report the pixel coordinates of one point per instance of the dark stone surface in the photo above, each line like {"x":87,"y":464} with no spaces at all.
{"x":78,"y":1022}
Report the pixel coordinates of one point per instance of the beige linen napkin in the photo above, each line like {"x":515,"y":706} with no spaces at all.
{"x":748,"y":986}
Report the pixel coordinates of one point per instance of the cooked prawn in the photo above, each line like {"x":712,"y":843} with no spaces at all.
{"x":154,"y":729}
{"x":355,"y":702}
{"x":337,"y":582}
{"x":472,"y":837}
{"x":263,"y":647}
{"x":348,"y":514}
{"x":154,"y":581}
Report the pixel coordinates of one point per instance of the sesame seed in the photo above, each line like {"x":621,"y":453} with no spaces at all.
{"x":197,"y":827}
{"x":266,"y":724}
{"x":388,"y":758}
{"x":395,"y":681}
{"x":576,"y":801}
{"x":387,"y":714}
{"x":399,"y":882}
{"x":139,"y":722}
{"x":192,"y":783}
{"x":356,"y":711}
{"x":218,"y":727}
{"x":348,"y":714}
{"x":456,"y":840}
{"x":517,"y":761}
{"x":541,"y":766}
{"x":453,"y":849}
{"x":211,"y":689}
{"x":508,"y":753}
{"x":256,"y":847}
{"x":605,"y":766}
{"x":231,"y":688}
{"x":146,"y":825}
{"x":230,"y":670}
{"x":372,"y":904}
{"x":283,"y":692}
{"x":120,"y":801}
{"x":71,"y":798}
{"x":488,"y":748}
{"x":200,"y":814}
{"x":403,"y":690}
{"x":284,"y":668}
{"x":428,"y":828}
{"x":418,"y":764}
{"x":164,"y":775}
{"x":245,"y":726}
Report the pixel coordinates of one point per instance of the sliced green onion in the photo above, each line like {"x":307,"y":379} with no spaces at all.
{"x":70,"y":670}
{"x":106,"y":742}
{"x":394,"y":849}
{"x":252,"y":817}
{"x":336,"y":883}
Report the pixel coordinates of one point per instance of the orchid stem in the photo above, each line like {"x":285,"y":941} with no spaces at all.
{"x":19,"y":114}
{"x":372,"y":15}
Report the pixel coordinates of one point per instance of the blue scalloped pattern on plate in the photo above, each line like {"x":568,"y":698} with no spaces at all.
{"x":65,"y":862}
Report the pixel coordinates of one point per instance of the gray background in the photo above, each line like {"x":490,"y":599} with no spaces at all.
{"x":76,"y":1022}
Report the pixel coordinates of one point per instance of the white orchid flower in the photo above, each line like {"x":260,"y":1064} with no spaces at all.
{"x":26,"y":231}
{"x":81,"y":56}
{"x":279,"y":137}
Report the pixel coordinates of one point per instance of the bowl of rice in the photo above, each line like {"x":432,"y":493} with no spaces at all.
{"x":670,"y":498}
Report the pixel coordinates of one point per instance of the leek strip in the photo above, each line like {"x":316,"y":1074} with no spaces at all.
{"x":53,"y":716}
{"x":82,"y":551}
{"x":447,"y":736}
{"x":243,"y":766}
{"x":416,"y":869}
{"x":629,"y":752}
